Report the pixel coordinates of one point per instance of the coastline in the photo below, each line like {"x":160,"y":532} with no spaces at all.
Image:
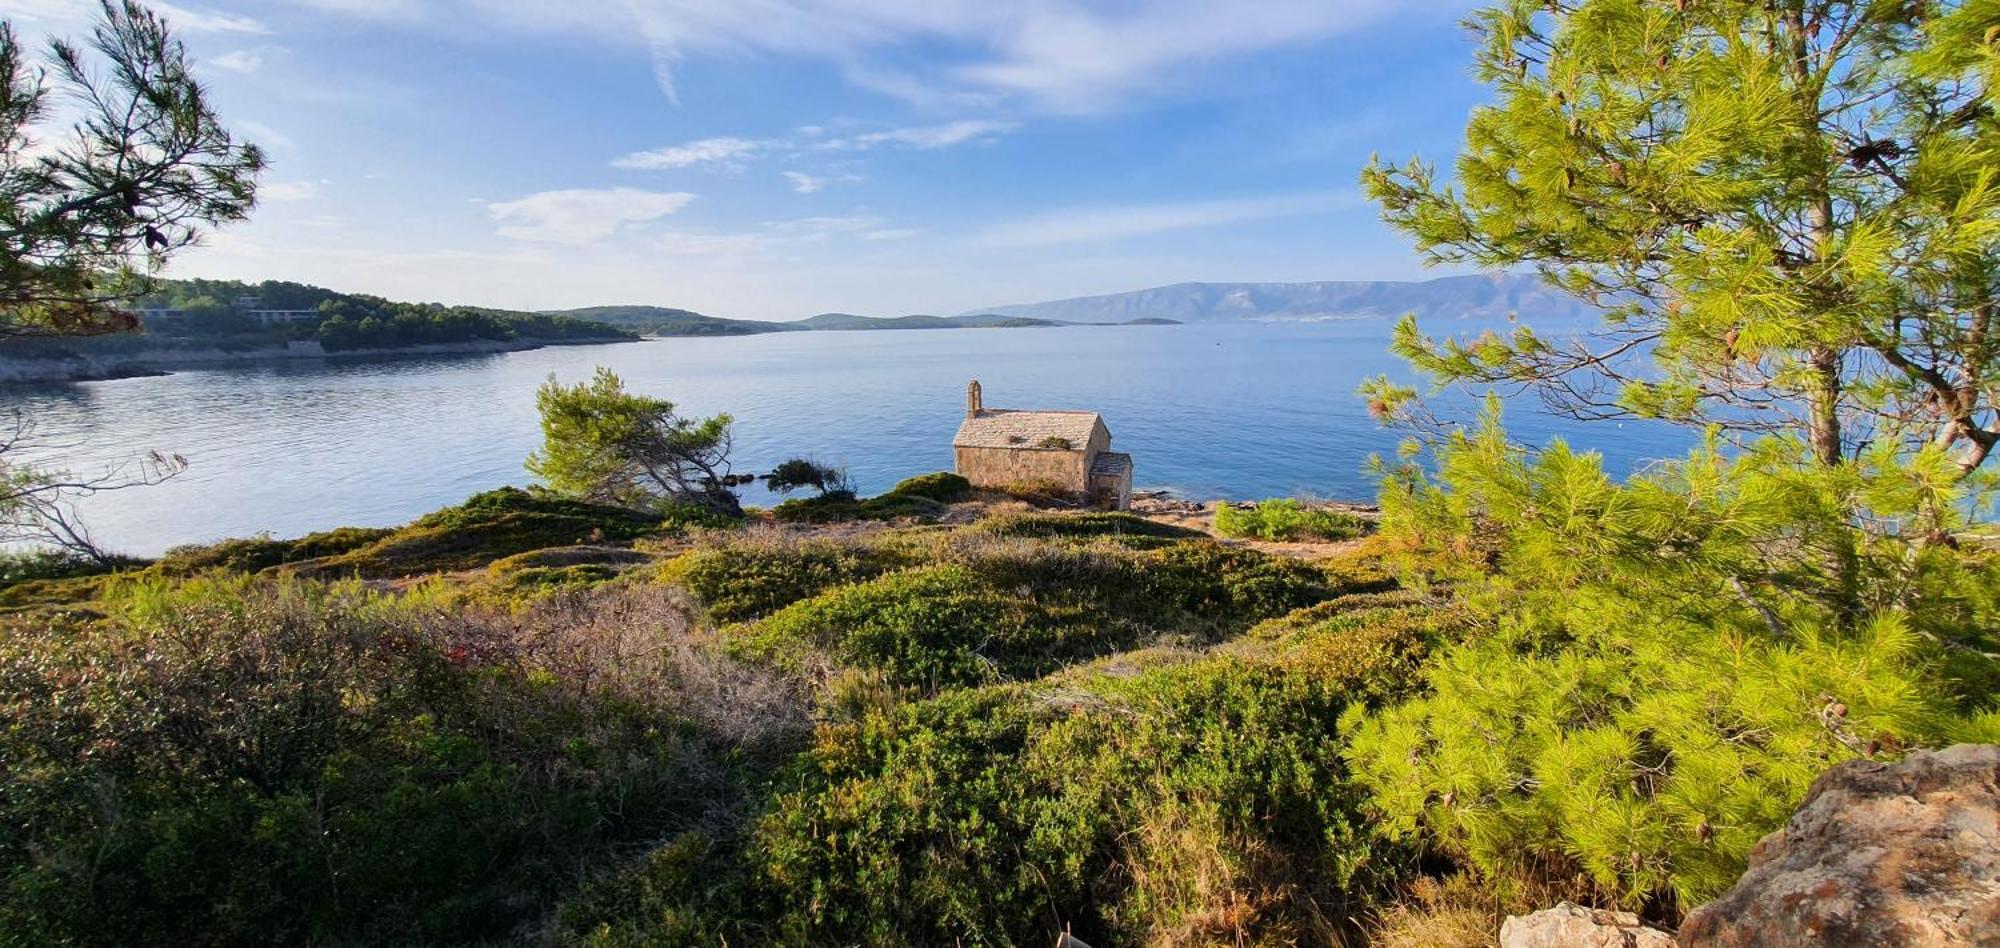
{"x":69,"y":365}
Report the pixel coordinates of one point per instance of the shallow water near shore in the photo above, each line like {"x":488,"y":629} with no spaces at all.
{"x":1233,"y":412}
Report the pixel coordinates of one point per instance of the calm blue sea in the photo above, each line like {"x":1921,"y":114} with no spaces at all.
{"x":288,"y":448}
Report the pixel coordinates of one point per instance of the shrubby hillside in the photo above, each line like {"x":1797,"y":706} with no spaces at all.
{"x":530,"y":718}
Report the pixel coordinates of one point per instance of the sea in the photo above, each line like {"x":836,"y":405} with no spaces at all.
{"x":1238,"y":411}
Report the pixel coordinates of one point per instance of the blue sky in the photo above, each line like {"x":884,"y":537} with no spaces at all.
{"x":780,"y":158}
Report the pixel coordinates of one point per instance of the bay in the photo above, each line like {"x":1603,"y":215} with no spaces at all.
{"x":1228,"y":411}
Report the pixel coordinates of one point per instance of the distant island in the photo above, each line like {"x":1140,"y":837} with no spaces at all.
{"x":666,"y":321}
{"x":1484,"y":297}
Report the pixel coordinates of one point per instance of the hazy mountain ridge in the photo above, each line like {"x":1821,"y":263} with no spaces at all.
{"x":1482,"y":297}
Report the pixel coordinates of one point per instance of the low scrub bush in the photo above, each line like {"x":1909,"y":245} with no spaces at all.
{"x":920,"y":498}
{"x":1371,"y":646}
{"x":242,"y":762}
{"x":1230,"y":584}
{"x":1081,"y":526}
{"x":495,"y":525}
{"x":757,"y":575}
{"x":933,"y":628}
{"x":1191,"y":804}
{"x":995,"y":608}
{"x":260,"y":553}
{"x":942,"y":486}
{"x":836,"y":506}
{"x":1288,"y":520}
{"x":20,"y":566}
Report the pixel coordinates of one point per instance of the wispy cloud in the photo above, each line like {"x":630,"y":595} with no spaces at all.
{"x":582,"y":216}
{"x":1056,"y":55}
{"x":705,"y":151}
{"x":1097,"y":224}
{"x":264,"y":135}
{"x":804,"y":183}
{"x":733,"y":153}
{"x":924,"y":137}
{"x":70,"y":13}
{"x":242,"y":60}
{"x":287,"y":191}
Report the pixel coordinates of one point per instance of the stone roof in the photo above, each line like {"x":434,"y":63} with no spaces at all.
{"x":1029,"y":430}
{"x":1110,"y":464}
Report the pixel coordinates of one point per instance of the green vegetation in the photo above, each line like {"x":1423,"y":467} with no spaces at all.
{"x":603,"y":444}
{"x":1287,"y":520}
{"x":376,"y":774}
{"x":220,"y":310}
{"x":923,"y":497}
{"x":146,"y":168}
{"x":612,"y":714}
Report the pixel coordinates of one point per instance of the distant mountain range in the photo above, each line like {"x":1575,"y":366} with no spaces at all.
{"x":664,"y":321}
{"x":1487,"y":297}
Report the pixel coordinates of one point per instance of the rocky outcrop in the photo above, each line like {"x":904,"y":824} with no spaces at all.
{"x":1569,"y":925}
{"x":1904,"y":855}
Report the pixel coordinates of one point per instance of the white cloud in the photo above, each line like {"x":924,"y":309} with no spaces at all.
{"x":924,"y":137}
{"x":71,"y":13}
{"x":705,"y":151}
{"x":1097,"y":224}
{"x":242,"y":60}
{"x":804,"y":183}
{"x":264,"y":135}
{"x":287,"y":191}
{"x":582,"y":216}
{"x":1056,"y":55}
{"x":367,"y":9}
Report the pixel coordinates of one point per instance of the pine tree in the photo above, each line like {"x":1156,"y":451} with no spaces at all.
{"x":1789,"y":209}
{"x":87,"y":213}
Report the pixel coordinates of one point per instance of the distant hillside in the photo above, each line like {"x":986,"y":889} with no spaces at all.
{"x":848,"y":322}
{"x":665,"y":321}
{"x":1489,"y":297}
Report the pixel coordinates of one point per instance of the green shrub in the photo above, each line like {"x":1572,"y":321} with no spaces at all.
{"x":922,"y":498}
{"x":900,"y":507}
{"x":237,"y":762}
{"x":492,"y":526}
{"x":942,"y":486}
{"x":1288,"y":520}
{"x":755,"y":577}
{"x":1080,"y":526}
{"x":831,"y":507}
{"x":935,"y":627}
{"x":1230,"y":584}
{"x":260,"y":553}
{"x":1370,"y":646}
{"x":1192,"y":804}
{"x":20,"y":566}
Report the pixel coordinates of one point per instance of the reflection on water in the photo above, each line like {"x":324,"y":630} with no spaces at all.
{"x":1240,"y":411}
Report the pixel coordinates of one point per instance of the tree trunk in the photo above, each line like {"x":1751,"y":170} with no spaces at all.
{"x":1823,"y":421}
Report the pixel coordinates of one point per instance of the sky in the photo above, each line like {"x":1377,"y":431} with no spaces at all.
{"x":774,"y":159}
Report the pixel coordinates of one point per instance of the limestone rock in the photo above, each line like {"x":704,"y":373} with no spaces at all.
{"x":1569,"y":925}
{"x":1904,"y":855}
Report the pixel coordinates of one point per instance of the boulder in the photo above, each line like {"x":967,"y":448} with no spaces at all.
{"x":1569,"y":925}
{"x":1904,"y":854}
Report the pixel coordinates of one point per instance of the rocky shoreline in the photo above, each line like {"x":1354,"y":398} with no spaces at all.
{"x":53,"y":365}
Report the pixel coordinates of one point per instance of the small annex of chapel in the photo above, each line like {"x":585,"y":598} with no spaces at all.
{"x":997,"y":447}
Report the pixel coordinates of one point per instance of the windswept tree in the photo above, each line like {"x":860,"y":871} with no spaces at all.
{"x":605,"y":444}
{"x":1789,"y":210}
{"x":142,"y":169}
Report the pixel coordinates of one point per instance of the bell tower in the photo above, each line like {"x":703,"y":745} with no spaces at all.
{"x":973,"y":400}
